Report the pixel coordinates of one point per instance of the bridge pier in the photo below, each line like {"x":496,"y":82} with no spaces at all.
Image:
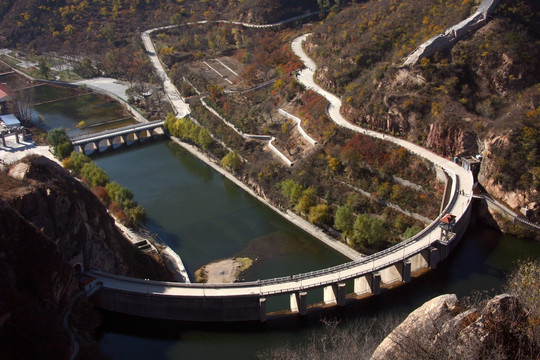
{"x":433,"y":258}
{"x":369,"y":283}
{"x":406,"y":266}
{"x":442,"y":249}
{"x":335,"y":294}
{"x":262,"y":309}
{"x":299,"y":302}
{"x":94,"y":146}
{"x":400,"y":271}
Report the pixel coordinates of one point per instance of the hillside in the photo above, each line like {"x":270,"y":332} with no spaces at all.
{"x":479,"y":97}
{"x":87,"y":27}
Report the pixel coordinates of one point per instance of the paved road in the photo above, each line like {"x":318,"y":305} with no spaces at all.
{"x":181,"y":108}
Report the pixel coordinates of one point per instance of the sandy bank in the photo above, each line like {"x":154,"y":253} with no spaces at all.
{"x":223,"y":271}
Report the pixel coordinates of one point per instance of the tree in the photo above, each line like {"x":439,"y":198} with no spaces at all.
{"x":344,"y":220}
{"x":204,"y":140}
{"x":112,"y":189}
{"x":232,"y":161}
{"x":306,"y":201}
{"x":369,"y":231}
{"x":85,"y":68}
{"x":292,"y":190}
{"x":124,"y":197}
{"x":60,"y":143}
{"x":137,"y":215}
{"x":524,"y":283}
{"x":43,"y":67}
{"x":57,"y":136}
{"x":411,"y":231}
{"x":94,"y":175}
{"x":63,"y":150}
{"x":170,"y":121}
{"x":320,"y":215}
{"x":75,"y":162}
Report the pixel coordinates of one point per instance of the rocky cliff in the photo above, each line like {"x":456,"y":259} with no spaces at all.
{"x":49,"y":223}
{"x":444,"y":328}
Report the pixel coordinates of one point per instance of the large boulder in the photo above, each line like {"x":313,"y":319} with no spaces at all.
{"x":421,"y":326}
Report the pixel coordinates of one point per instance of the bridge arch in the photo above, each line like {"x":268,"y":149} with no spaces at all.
{"x":78,"y":268}
{"x":89,"y":148}
{"x":103,"y":145}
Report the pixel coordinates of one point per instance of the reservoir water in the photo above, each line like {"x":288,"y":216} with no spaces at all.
{"x":61,"y":106}
{"x":204,"y":217}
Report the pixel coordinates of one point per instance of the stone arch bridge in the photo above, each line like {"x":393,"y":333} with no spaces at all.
{"x":118,"y":137}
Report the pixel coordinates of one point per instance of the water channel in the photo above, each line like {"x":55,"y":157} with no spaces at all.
{"x":204,"y":217}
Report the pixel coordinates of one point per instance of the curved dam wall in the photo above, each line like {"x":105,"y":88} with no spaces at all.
{"x":246,"y":301}
{"x":451,"y":35}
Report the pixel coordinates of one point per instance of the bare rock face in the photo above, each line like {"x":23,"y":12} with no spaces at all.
{"x":68,"y":213}
{"x":422,"y":323}
{"x":49,"y":222}
{"x":35,"y":288}
{"x":444,"y":329}
{"x":488,"y":168}
{"x":64,"y":210}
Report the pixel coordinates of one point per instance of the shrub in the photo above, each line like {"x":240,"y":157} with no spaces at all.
{"x":320,"y":215}
{"x":94,"y":175}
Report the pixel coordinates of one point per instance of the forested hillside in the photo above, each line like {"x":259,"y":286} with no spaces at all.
{"x":91,"y":25}
{"x":107,"y":32}
{"x":479,"y":97}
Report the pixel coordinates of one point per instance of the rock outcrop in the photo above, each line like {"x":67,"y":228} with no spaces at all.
{"x":68,"y":213}
{"x":50,"y":222}
{"x":443,"y":328}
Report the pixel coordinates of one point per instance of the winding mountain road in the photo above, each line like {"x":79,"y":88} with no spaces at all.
{"x":305,"y":77}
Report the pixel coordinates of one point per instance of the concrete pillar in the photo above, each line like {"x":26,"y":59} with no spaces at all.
{"x":376,"y":284}
{"x":341,"y":293}
{"x":406,"y":271}
{"x":434,"y":257}
{"x":443,"y":250}
{"x":420,"y":260}
{"x":262,"y":309}
{"x":369,"y":283}
{"x":299,"y":302}
{"x":335,"y":294}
